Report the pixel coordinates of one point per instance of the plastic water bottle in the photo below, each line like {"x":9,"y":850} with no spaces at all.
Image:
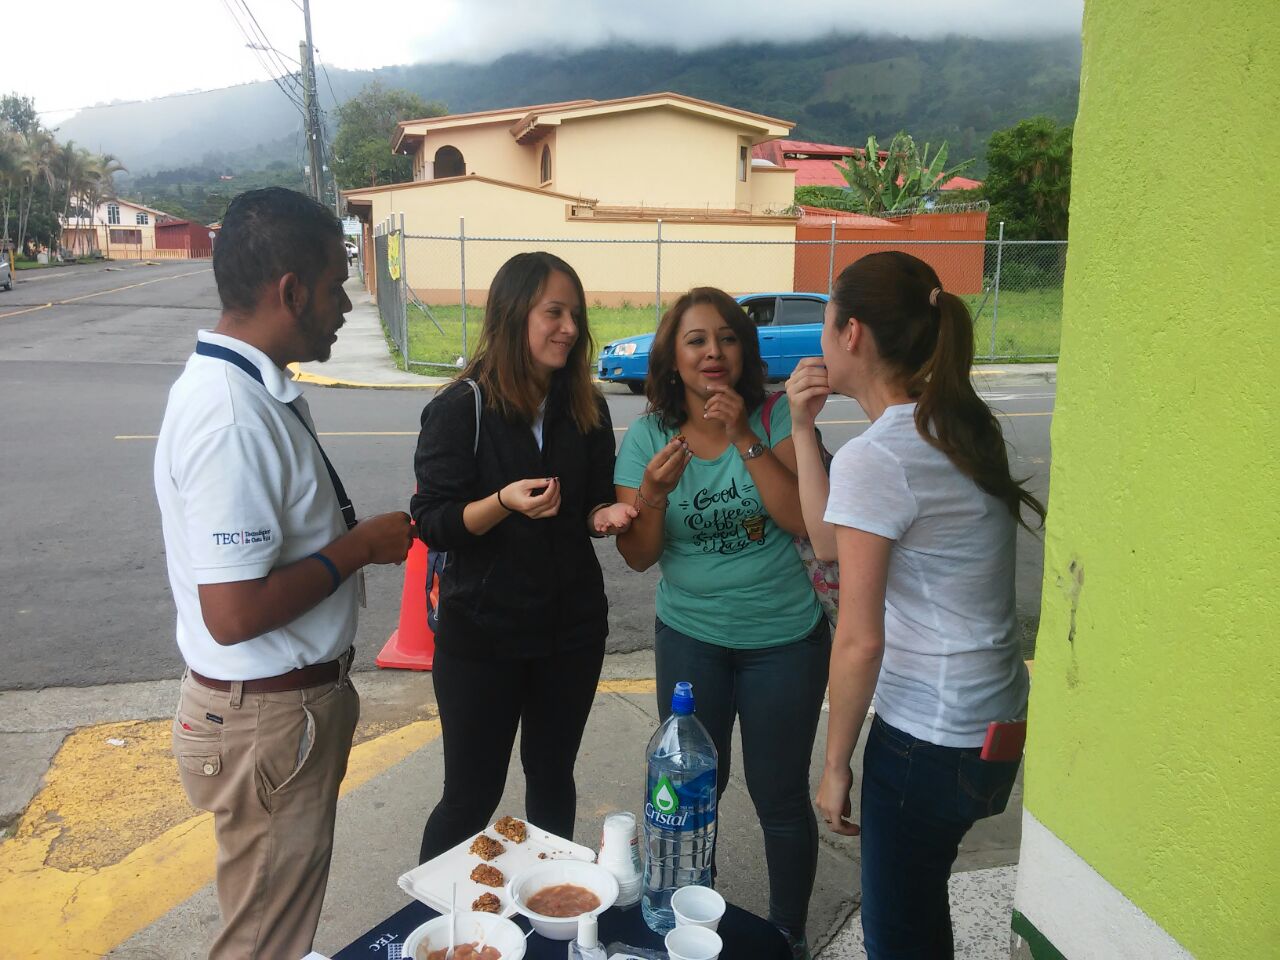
{"x":679,"y":810}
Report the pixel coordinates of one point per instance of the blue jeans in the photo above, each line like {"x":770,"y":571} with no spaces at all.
{"x":918,"y":802}
{"x":776,"y":695}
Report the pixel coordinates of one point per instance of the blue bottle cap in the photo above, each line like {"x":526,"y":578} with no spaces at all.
{"x":682,"y":699}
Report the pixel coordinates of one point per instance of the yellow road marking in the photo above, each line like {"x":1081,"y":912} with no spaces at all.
{"x":18,"y":313}
{"x":53,"y":911}
{"x":627,"y":686}
{"x":88,"y":296}
{"x":130,"y":286}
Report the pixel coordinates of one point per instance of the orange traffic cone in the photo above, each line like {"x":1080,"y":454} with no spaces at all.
{"x":412,"y":646}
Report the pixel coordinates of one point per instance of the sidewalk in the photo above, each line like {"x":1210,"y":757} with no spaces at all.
{"x":98,"y":868}
{"x":361,"y":358}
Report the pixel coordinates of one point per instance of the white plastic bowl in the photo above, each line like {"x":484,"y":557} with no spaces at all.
{"x":553,"y":873}
{"x":498,"y":932}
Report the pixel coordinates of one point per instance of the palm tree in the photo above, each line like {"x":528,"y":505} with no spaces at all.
{"x":35,"y":163}
{"x":100,"y":182}
{"x":10,"y":147}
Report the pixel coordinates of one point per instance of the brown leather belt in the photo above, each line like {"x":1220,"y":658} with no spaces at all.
{"x":300,"y":679}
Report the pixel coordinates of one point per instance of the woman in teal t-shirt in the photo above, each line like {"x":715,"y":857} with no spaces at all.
{"x":718,"y":503}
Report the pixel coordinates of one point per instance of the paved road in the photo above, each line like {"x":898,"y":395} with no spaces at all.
{"x":86,"y":358}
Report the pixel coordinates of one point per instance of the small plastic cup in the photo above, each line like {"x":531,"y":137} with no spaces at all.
{"x":693,"y":943}
{"x":697,"y":907}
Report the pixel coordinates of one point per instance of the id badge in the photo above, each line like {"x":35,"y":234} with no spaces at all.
{"x":360,"y":591}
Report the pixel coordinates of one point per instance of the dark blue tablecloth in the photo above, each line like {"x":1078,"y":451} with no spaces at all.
{"x":746,"y":936}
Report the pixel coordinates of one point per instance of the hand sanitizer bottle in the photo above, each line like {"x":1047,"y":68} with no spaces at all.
{"x":587,"y":946}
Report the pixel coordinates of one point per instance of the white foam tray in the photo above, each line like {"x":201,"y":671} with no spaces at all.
{"x":432,"y":882}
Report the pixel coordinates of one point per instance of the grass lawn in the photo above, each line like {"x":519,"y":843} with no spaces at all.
{"x":1029,"y":326}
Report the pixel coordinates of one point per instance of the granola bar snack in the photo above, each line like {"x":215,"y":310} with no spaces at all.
{"x":511,"y":828}
{"x":488,"y":875}
{"x":487,"y":848}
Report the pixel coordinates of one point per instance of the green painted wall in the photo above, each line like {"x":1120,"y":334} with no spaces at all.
{"x":1155,"y":715}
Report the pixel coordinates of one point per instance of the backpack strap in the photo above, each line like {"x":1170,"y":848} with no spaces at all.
{"x":766,"y":414}
{"x":475,"y":388}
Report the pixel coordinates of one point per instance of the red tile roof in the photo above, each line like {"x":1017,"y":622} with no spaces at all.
{"x":817,"y":168}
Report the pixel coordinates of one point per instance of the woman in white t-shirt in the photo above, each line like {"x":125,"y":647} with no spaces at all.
{"x":921,"y":511}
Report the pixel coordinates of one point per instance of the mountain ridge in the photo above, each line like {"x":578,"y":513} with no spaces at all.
{"x":837,"y":89}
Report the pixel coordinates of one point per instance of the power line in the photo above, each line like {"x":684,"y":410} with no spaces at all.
{"x":327,"y":81}
{"x":262,"y":34}
{"x":252,"y":43}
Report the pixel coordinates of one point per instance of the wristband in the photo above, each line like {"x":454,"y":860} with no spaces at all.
{"x":654,"y":506}
{"x":501,"y":504}
{"x":331,"y":567}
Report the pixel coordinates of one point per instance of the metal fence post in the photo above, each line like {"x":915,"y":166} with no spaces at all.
{"x":657,"y":295}
{"x":831,"y":260}
{"x":462,"y":275}
{"x":403,"y":313}
{"x":995,"y":307}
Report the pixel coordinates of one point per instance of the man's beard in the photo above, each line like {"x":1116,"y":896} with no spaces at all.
{"x":318,"y":340}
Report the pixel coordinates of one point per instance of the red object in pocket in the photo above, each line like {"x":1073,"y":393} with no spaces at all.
{"x":1005,"y":739}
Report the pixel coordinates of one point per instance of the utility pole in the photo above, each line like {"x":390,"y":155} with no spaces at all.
{"x":307,"y":58}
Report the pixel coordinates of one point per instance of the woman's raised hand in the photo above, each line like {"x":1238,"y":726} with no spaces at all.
{"x":726,"y":405}
{"x":664,"y":470}
{"x":536,"y":499}
{"x":807,"y":392}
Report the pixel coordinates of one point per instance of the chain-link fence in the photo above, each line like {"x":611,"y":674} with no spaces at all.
{"x":390,"y":284}
{"x":434,"y":306}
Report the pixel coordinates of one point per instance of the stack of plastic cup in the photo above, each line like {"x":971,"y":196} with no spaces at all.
{"x":620,"y":855}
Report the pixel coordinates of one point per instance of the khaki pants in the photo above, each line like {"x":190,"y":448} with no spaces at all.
{"x":268,"y":769}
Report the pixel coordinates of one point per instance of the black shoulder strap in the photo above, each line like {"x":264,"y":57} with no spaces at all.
{"x":230,"y":356}
{"x":475,"y":388}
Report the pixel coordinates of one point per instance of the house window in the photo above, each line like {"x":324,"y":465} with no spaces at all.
{"x":133,"y":237}
{"x":744,"y":160}
{"x":141,"y":220}
{"x":546,"y":164}
{"x":113,"y":213}
{"x":449,"y":163}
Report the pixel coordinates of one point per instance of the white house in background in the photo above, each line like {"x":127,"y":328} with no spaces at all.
{"x":117,"y":228}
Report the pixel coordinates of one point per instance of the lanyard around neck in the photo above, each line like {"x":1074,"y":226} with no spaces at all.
{"x":249,"y":367}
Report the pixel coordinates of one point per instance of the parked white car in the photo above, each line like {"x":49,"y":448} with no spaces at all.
{"x":6,"y":276}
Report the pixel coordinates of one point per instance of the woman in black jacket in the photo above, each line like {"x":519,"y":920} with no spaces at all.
{"x":514,"y":497}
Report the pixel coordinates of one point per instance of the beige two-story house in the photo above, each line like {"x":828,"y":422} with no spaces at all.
{"x":623,"y":170}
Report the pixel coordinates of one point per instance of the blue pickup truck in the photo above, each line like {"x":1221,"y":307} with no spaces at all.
{"x":789,"y":326}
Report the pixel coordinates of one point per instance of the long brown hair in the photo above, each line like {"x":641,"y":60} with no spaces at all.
{"x":926,"y":336}
{"x":502,"y":363}
{"x":663,"y":387}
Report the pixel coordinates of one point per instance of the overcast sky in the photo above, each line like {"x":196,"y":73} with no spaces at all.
{"x":74,"y":53}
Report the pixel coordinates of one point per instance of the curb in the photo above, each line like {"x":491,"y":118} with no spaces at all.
{"x":318,"y":380}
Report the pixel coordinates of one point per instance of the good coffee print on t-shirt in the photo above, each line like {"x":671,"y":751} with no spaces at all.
{"x":724,"y":521}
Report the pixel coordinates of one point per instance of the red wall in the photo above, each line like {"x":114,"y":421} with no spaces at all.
{"x":959,"y":267}
{"x":184,"y":235}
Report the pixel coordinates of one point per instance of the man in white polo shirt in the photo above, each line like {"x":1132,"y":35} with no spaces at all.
{"x":265,"y":556}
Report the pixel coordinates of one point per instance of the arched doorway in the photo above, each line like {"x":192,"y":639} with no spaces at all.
{"x":449,"y":163}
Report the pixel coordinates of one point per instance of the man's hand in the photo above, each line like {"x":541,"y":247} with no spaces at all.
{"x":385,"y":538}
{"x":614,"y":519}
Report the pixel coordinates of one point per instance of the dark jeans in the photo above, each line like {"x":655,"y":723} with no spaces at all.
{"x":481,"y":703}
{"x":918,"y":802}
{"x":776,"y":695}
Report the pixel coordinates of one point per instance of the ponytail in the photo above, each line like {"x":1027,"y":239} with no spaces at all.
{"x":953,"y":418}
{"x":926,"y":334}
